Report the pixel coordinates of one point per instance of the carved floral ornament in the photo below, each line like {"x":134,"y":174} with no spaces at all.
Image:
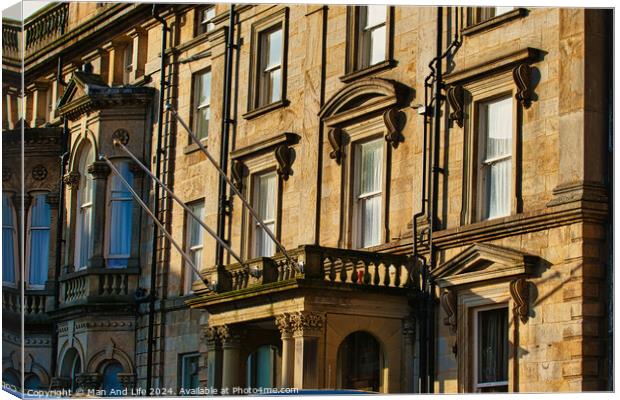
{"x":300,"y":322}
{"x":39,"y":172}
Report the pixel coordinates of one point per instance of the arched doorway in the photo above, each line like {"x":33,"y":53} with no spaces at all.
{"x":261,"y":367}
{"x":71,"y":366}
{"x":110,"y":382}
{"x":360,"y":362}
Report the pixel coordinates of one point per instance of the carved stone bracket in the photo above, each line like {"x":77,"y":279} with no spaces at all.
{"x":456,"y":99}
{"x":394,"y":121}
{"x":238,"y":171}
{"x":335,"y":140}
{"x":306,"y":323}
{"x":285,"y":156}
{"x":448,"y":303}
{"x":99,"y":170}
{"x":522,"y":75}
{"x":520,"y":294}
{"x":72,"y":180}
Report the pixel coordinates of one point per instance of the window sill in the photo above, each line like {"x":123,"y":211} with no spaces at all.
{"x":495,"y":21}
{"x":265,"y":109}
{"x":373,"y":69}
{"x":190,"y":148}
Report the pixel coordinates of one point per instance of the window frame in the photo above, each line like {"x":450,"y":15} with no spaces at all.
{"x":187,"y":273}
{"x":108,"y":215}
{"x":33,"y":195}
{"x":200,"y":21}
{"x":181,"y":358}
{"x":476,"y":386}
{"x":255,"y":107}
{"x":253,"y":225}
{"x":473,"y":24}
{"x":82,"y":170}
{"x":196,"y":108}
{"x":476,"y":93}
{"x":353,"y":70}
{"x":10,"y":197}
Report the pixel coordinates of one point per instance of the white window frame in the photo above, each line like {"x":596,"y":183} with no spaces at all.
{"x":29,"y":239}
{"x":475,"y":313}
{"x":200,"y":107}
{"x":83,"y":162}
{"x":265,"y":89}
{"x":182,"y":358}
{"x":189,"y":274}
{"x":15,"y":242}
{"x":257,"y":230}
{"x":365,"y":37}
{"x":108,"y":218}
{"x":359,"y":198}
{"x":205,"y":18}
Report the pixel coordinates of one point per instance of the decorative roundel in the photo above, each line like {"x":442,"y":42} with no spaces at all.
{"x":39,"y":172}
{"x":122,"y":135}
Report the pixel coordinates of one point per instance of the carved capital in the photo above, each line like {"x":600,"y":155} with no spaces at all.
{"x":211,"y":336}
{"x":394,"y":121}
{"x":285,"y":156}
{"x":335,"y":140}
{"x":238,"y":171}
{"x":306,"y":323}
{"x":99,"y":170}
{"x":230,"y":337}
{"x":72,"y":180}
{"x":448,"y":304}
{"x":456,"y":99}
{"x":522,"y":75}
{"x":284,"y":324}
{"x":520,"y":295}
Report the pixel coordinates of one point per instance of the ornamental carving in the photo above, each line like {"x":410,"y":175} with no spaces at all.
{"x":39,"y":172}
{"x":99,"y":170}
{"x":88,"y":381}
{"x":456,"y":99}
{"x":448,"y":303}
{"x":120,"y":136}
{"x":394,"y":121}
{"x":520,"y":294}
{"x":305,"y":322}
{"x":523,"y":79}
{"x":127,"y":380}
{"x":335,"y":140}
{"x":283,"y":322}
{"x":72,"y":180}
{"x":238,"y":172}
{"x":285,"y":156}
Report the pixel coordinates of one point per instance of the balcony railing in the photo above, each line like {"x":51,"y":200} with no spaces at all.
{"x":47,"y":26}
{"x":11,"y":39}
{"x":98,"y":285}
{"x":337,"y":266}
{"x":34,"y":301}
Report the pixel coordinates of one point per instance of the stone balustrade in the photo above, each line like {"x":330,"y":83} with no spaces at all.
{"x":46,"y":27}
{"x":34,"y":301}
{"x":98,"y":284}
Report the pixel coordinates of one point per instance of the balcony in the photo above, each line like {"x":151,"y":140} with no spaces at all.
{"x":98,"y":286}
{"x":46,"y":26}
{"x":34,"y":305}
{"x":323,"y":267}
{"x":11,"y":39}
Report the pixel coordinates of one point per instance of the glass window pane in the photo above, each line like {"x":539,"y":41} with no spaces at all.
{"x":205,"y":88}
{"x":202,"y":122}
{"x":121,"y":208}
{"x":190,"y":376}
{"x":8,"y":240}
{"x":275,"y":86}
{"x":493,"y":345}
{"x":377,"y":45}
{"x":274,"y":48}
{"x":498,"y":115}
{"x":265,"y":203}
{"x":195,"y":229}
{"x":498,"y":188}
{"x":373,"y":15}
{"x":39,"y":235}
{"x":502,"y":10}
{"x":371,"y":221}
{"x":371,"y":166}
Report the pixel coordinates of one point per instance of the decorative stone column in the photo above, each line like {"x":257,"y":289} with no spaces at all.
{"x":231,"y":363}
{"x":214,"y":358}
{"x":38,"y":91}
{"x":139,"y":37}
{"x":100,"y":171}
{"x":283,"y":322}
{"x":307,"y":331}
{"x":72,"y":183}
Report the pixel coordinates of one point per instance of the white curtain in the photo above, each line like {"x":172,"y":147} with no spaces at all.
{"x":497,"y":163}
{"x":265,"y":196}
{"x":120,"y":210}
{"x":370,"y":179}
{"x":203,"y":101}
{"x":40,"y":219}
{"x":493,"y":346}
{"x":8,"y":240}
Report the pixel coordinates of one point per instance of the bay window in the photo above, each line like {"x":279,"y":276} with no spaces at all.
{"x":491,"y":349}
{"x":202,"y":104}
{"x":368,"y":192}
{"x":119,"y":210}
{"x":84,"y":228}
{"x":495,"y":157}
{"x":194,"y":241}
{"x":264,"y":199}
{"x":38,"y":240}
{"x":9,"y":239}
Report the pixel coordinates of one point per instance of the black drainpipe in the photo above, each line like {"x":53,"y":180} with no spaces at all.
{"x":64,"y":141}
{"x":158,"y":153}
{"x":226,"y":121}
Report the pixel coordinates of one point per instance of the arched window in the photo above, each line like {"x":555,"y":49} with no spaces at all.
{"x":120,"y":205}
{"x":359,"y":360}
{"x":84,"y":228}
{"x":261,"y":368}
{"x":111,"y":383}
{"x":9,"y":240}
{"x":10,"y":378}
{"x":32,"y":382}
{"x":38,"y":240}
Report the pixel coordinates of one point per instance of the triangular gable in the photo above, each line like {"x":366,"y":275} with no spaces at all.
{"x":77,"y":87}
{"x":482,"y":262}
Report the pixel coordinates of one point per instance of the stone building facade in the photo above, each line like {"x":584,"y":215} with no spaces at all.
{"x":444,"y":226}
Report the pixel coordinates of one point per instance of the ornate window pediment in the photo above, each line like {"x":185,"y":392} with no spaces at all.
{"x":482,"y":262}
